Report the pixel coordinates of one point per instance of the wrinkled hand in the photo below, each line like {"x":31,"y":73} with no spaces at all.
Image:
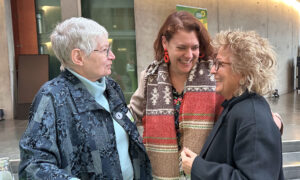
{"x":188,"y":158}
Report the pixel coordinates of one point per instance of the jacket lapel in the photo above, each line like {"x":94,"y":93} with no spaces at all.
{"x":213,"y":133}
{"x":83,"y":100}
{"x":227,"y":106}
{"x":119,"y":112}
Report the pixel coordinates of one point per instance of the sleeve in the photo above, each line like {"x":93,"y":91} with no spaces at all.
{"x":39,"y":151}
{"x":256,"y":155}
{"x":136,"y":105}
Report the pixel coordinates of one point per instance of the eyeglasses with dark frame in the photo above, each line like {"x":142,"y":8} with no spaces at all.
{"x":104,"y":50}
{"x":217,"y":63}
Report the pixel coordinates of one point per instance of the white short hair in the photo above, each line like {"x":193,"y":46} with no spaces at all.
{"x":76,"y":32}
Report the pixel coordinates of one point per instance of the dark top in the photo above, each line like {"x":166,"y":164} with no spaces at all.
{"x":177,"y":100}
{"x":245,"y":143}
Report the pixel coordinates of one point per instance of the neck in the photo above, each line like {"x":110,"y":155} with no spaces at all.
{"x":178,"y":80}
{"x":77,"y":70}
{"x":81,"y":72}
{"x":228,"y":97}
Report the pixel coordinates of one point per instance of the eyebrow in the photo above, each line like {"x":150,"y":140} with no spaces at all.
{"x":183,"y":45}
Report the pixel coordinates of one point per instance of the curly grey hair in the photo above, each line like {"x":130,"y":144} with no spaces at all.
{"x":253,"y":57}
{"x":76,"y":32}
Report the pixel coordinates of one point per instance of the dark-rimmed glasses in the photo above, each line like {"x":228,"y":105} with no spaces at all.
{"x":217,"y":63}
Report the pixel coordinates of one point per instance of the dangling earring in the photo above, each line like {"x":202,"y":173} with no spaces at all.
{"x":166,"y":56}
{"x":201,"y":55}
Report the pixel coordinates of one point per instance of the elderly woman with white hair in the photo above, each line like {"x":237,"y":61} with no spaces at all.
{"x":79,"y":125}
{"x":245,"y":143}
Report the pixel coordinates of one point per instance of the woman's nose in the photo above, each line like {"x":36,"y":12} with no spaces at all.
{"x":111,"y":55}
{"x":189,"y":53}
{"x":213,"y":70}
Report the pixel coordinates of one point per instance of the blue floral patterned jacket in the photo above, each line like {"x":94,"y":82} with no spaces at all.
{"x":70,"y":135}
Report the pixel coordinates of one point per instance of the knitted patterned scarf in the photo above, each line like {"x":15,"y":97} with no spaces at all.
{"x":198,"y":112}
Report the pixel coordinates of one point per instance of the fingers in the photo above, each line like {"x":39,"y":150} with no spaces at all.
{"x":186,"y":162}
{"x":277,"y":119}
{"x":189,"y":153}
{"x":183,"y":155}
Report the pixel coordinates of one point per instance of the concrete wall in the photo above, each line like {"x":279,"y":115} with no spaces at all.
{"x":7,"y":60}
{"x":272,"y":19}
{"x":70,"y":8}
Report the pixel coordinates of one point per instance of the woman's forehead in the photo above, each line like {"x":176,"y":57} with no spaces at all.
{"x":102,"y":41}
{"x":182,"y":37}
{"x":224,"y":51}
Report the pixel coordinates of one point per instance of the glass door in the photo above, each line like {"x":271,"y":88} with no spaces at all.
{"x":117,"y":16}
{"x":48,"y":14}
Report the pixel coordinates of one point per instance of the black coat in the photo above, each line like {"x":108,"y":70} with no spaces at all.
{"x":245,"y":143}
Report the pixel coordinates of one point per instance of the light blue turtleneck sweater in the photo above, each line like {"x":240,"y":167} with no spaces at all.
{"x":96,"y":89}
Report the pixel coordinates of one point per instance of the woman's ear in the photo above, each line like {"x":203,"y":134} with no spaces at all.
{"x":242,"y":79}
{"x":164,"y":42}
{"x":77,"y":57}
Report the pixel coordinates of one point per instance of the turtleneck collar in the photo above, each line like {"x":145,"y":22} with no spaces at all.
{"x":96,"y":88}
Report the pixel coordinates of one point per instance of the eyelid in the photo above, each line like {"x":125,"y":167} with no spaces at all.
{"x":195,"y":47}
{"x":183,"y":47}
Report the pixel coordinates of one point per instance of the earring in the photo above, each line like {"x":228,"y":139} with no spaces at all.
{"x":242,"y":82}
{"x":201,"y":55}
{"x":166,"y":56}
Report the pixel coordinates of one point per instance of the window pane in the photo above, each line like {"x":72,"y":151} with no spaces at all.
{"x":48,"y":14}
{"x":117,"y":16}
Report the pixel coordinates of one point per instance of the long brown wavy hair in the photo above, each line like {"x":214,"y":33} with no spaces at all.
{"x":183,"y":21}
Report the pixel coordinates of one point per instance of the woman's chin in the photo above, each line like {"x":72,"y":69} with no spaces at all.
{"x":186,"y":68}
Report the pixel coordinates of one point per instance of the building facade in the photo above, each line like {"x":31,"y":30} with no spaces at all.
{"x":133,"y":26}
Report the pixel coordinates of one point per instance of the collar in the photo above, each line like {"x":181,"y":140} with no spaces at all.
{"x":84,"y":101}
{"x":96,"y":88}
{"x":231,"y":102}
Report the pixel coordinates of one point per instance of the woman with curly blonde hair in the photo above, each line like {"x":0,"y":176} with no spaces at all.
{"x":252,"y":57}
{"x":245,"y":142}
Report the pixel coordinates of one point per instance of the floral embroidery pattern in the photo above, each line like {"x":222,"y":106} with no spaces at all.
{"x":70,"y":135}
{"x":177,"y":103}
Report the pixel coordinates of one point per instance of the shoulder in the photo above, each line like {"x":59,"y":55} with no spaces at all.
{"x":252,"y":110}
{"x":153,"y":68}
{"x":54,"y":86}
{"x":46,"y":96}
{"x":55,"y":89}
{"x":254,"y":103}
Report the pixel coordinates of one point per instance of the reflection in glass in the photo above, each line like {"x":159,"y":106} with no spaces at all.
{"x":48,"y":14}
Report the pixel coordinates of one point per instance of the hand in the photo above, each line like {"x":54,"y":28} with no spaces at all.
{"x":188,"y":158}
{"x":278,"y":121}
